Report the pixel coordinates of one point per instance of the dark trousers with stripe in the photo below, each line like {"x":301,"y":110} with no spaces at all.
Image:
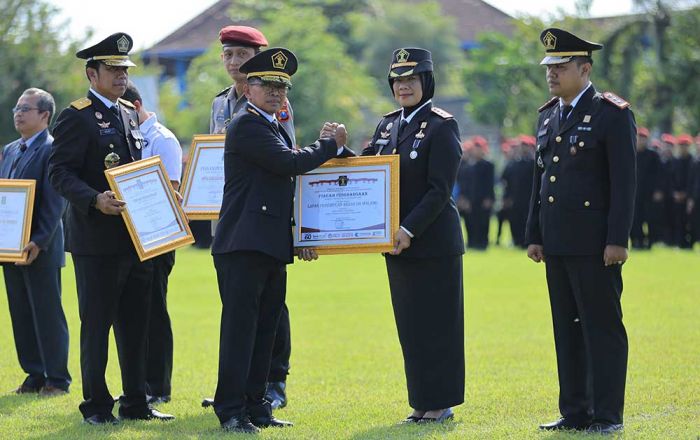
{"x":590,"y":338}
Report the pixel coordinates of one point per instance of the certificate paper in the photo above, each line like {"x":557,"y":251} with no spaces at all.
{"x":348,"y":205}
{"x":203,"y":183}
{"x":16,"y":206}
{"x":153,"y":216}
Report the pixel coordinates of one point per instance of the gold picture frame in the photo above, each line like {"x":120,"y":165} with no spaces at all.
{"x":203,"y":181}
{"x":16,"y":211}
{"x":150,"y":203}
{"x":348,"y":205}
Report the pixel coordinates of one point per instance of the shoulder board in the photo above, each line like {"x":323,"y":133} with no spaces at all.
{"x":442,"y":113}
{"x":615,"y":100}
{"x":127,"y":103}
{"x":393,"y":112}
{"x":548,"y":104}
{"x":81,"y":103}
{"x":253,"y":111}
{"x":224,"y":91}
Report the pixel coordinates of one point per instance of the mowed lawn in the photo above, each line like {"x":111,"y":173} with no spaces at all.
{"x":347,"y":378}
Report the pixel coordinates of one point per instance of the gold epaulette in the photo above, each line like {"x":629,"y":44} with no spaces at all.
{"x":615,"y":100}
{"x":81,"y":103}
{"x":224,"y":91}
{"x":127,"y":103}
{"x":253,"y":111}
{"x":442,"y":113}
{"x":393,"y":112}
{"x":548,"y":104}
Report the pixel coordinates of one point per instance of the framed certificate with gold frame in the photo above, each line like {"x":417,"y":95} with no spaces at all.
{"x":203,"y":182}
{"x":153,"y":216}
{"x":348,"y":206}
{"x":16,"y":209}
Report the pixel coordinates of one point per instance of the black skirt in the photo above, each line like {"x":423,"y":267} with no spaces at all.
{"x":428,"y":300}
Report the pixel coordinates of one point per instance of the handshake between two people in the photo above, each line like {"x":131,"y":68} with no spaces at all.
{"x":336,"y":131}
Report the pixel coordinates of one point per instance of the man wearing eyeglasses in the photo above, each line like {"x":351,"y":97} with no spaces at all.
{"x":239,"y":44}
{"x":34,"y":287}
{"x":253,"y":240}
{"x":114,"y":287}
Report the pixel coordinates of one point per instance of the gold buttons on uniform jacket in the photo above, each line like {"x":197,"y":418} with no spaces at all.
{"x":581,"y":144}
{"x":552,"y":179}
{"x":586,"y":203}
{"x":558,"y":139}
{"x":551,"y":199}
{"x":555,"y":159}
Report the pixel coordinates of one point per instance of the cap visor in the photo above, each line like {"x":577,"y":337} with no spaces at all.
{"x":554,"y":60}
{"x":119,"y":63}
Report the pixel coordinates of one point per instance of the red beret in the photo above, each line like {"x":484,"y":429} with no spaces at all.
{"x":684,"y":139}
{"x":467,"y":145}
{"x":480,"y":142}
{"x":668,"y":138}
{"x":242,"y":35}
{"x":655,"y":143}
{"x":527,"y":140}
{"x":643,"y":131}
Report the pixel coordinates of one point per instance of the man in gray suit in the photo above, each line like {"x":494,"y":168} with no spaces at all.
{"x":34,"y":288}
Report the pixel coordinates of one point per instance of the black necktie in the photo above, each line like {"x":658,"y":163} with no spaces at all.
{"x":565,"y":113}
{"x":22,"y":149}
{"x":402,"y":125}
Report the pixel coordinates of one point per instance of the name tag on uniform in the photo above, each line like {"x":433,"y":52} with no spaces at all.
{"x":542,"y":132}
{"x":381,"y":142}
{"x":108,"y":131}
{"x":584,"y":128}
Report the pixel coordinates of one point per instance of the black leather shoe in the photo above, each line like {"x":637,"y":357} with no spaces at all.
{"x":155,"y":400}
{"x":270,"y":422}
{"x":565,"y":424}
{"x":445,"y":416}
{"x":101,"y":419}
{"x":604,"y":428}
{"x":240,"y":424}
{"x":276,"y":394}
{"x":207,"y":402}
{"x":410,"y":419}
{"x":150,"y":414}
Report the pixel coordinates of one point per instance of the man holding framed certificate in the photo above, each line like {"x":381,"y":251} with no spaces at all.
{"x":34,"y":286}
{"x":96,"y":133}
{"x":253,"y":240}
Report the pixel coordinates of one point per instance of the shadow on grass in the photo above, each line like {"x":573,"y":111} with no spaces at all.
{"x":11,"y":403}
{"x":72,"y":426}
{"x":407,"y":431}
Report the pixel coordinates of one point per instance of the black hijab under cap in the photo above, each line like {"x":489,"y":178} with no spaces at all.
{"x":413,"y":61}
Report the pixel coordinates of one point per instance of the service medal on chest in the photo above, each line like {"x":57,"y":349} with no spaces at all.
{"x":413,"y":154}
{"x":112,"y":160}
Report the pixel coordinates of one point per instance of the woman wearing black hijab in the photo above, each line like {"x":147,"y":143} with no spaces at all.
{"x":425,"y":267}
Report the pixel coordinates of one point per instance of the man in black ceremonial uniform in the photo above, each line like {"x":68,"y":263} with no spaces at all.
{"x":648,"y":174}
{"x":253,"y":240}
{"x":579,"y":223}
{"x":98,"y":132}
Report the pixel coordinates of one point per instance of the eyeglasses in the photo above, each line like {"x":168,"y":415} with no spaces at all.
{"x":269,"y":88}
{"x":23,"y":109}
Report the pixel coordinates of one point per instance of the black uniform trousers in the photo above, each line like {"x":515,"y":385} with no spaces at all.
{"x":518,"y":220}
{"x":159,"y":360}
{"x":282,"y":349}
{"x":252,"y":286}
{"x":478,"y":228}
{"x":642,"y":216}
{"x":589,"y":336}
{"x":38,"y":323}
{"x":113,"y":290}
{"x":428,"y":300}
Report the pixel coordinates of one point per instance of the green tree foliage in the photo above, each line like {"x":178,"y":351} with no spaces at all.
{"x":389,"y":25}
{"x":35,"y":53}
{"x":329,"y":85}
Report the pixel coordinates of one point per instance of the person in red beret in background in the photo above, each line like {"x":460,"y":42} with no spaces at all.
{"x":509,"y":150}
{"x":480,"y":182}
{"x":648,"y":169}
{"x":682,"y":166}
{"x":694,"y":195}
{"x":667,"y":145}
{"x":521,"y":181}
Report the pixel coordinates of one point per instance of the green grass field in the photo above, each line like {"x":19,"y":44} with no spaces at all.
{"x":347,"y":377}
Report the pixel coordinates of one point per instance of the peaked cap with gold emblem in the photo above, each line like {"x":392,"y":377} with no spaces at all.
{"x":560,"y":46}
{"x":276,"y":64}
{"x":113,"y":51}
{"x":410,"y":61}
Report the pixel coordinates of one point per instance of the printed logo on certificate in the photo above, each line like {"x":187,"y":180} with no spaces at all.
{"x":348,"y":205}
